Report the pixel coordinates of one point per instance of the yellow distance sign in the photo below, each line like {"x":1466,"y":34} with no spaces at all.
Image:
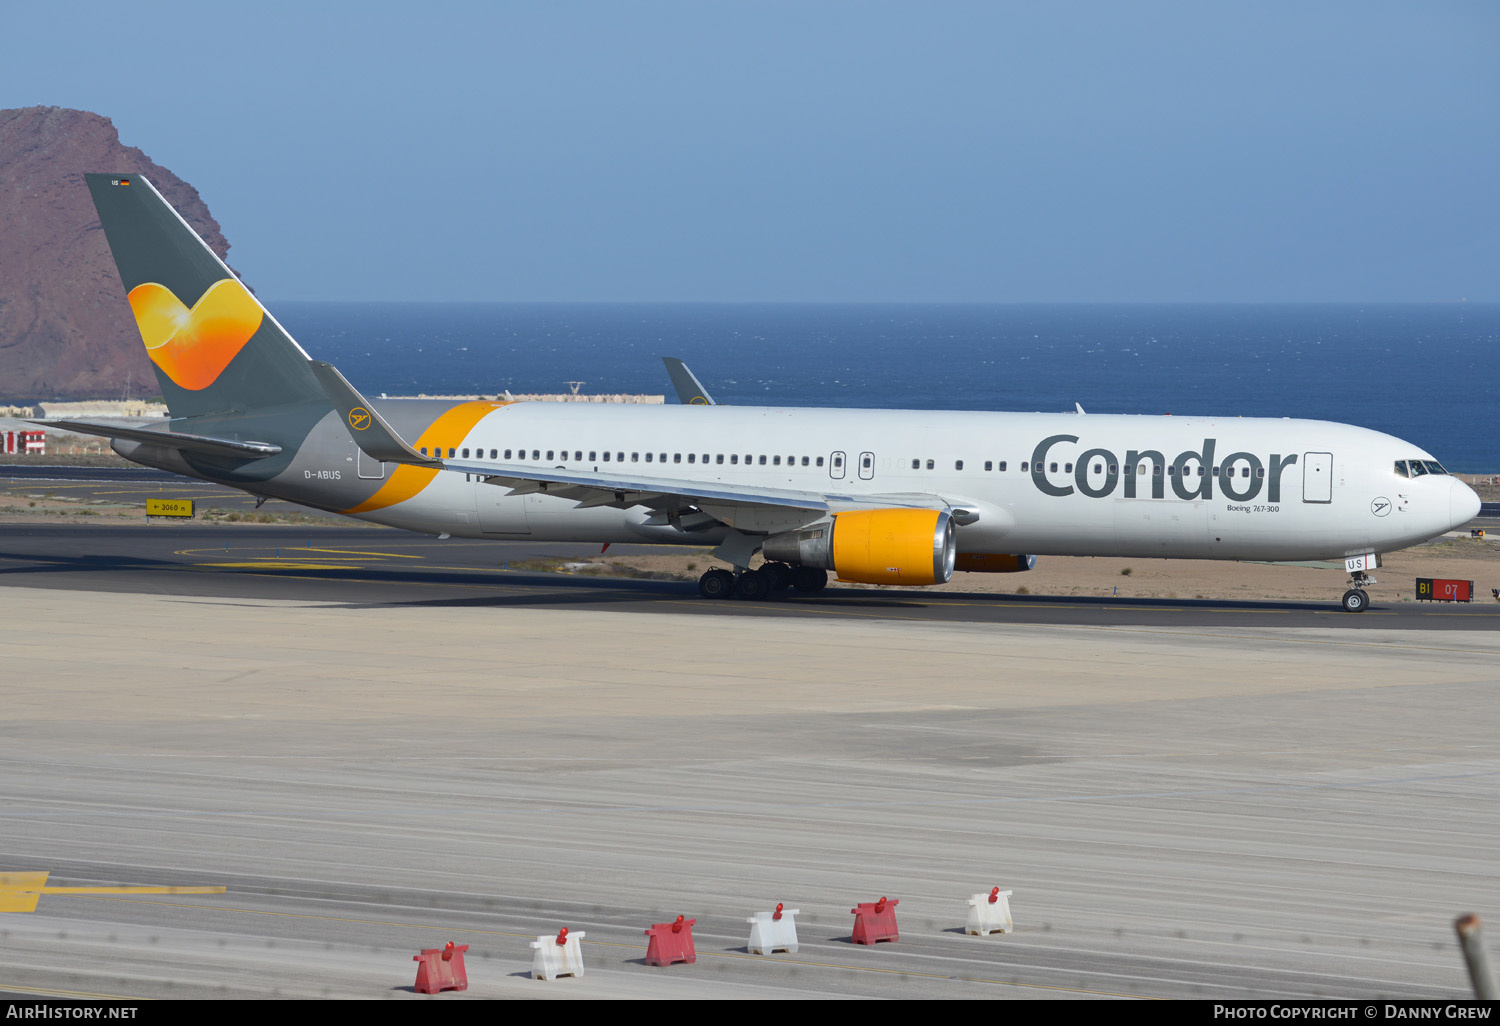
{"x":169,"y":507}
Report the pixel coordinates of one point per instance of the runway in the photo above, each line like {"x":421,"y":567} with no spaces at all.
{"x":381,"y":742}
{"x":1181,"y":813}
{"x":362,"y":566}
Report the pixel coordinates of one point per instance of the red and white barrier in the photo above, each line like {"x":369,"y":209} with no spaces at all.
{"x":875,"y":921}
{"x":671,"y":942}
{"x":557,"y":956}
{"x":773,"y":931}
{"x":990,"y":913}
{"x":440,"y":969}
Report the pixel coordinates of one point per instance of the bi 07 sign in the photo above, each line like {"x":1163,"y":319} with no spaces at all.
{"x":1438,"y":589}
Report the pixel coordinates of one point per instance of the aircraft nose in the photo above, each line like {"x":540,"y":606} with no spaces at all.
{"x":1463,"y":503}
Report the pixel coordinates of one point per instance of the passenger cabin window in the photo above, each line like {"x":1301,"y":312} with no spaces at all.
{"x":958,"y":464}
{"x":775,"y":461}
{"x":593,"y":454}
{"x":606,"y":457}
{"x":450,"y":454}
{"x":989,"y":464}
{"x":929,"y":464}
{"x":916,"y":464}
{"x":820,"y":461}
{"x":1002,"y":466}
{"x":648,"y":457}
{"x":424,"y":451}
{"x":719,"y":458}
{"x":763,"y":461}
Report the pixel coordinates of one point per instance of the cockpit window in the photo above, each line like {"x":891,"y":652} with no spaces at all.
{"x":1418,"y":468}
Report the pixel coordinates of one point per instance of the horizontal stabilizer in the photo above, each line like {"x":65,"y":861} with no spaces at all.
{"x":370,"y":431}
{"x":170,"y":439}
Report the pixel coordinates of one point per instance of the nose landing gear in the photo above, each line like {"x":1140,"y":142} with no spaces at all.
{"x":1355,"y":600}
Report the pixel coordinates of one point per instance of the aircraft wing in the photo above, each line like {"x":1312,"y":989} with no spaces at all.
{"x":609,"y":488}
{"x":697,"y":505}
{"x":687,"y":504}
{"x":170,"y":439}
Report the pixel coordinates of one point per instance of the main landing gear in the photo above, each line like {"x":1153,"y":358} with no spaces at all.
{"x":1355,"y":600}
{"x":758,"y":585}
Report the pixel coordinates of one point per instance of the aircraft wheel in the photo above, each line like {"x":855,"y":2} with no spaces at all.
{"x":753,"y":585}
{"x":716,"y":584}
{"x":1356,"y":601}
{"x":779,"y":574}
{"x":809,"y":580}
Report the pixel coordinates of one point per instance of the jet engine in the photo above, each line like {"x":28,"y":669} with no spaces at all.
{"x":874,"y":546}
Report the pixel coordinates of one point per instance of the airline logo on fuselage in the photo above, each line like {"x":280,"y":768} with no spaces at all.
{"x":1099,"y":473}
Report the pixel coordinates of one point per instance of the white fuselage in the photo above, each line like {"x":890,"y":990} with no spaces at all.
{"x":1189,"y":487}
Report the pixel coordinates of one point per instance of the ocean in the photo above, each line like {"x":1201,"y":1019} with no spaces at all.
{"x":1424,"y":372}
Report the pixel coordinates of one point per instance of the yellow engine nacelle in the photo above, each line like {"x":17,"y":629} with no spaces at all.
{"x":874,"y":546}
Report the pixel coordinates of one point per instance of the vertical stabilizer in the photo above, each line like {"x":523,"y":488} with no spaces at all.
{"x":215,"y":348}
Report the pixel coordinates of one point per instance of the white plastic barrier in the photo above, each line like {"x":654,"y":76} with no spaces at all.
{"x":990,"y":913}
{"x":773,"y":931}
{"x":558,"y":956}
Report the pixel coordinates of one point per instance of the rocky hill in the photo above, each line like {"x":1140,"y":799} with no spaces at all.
{"x":65,"y":328}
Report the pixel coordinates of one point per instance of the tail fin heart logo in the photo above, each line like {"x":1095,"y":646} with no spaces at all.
{"x":192,"y":347}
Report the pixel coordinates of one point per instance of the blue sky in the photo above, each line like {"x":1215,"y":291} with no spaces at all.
{"x":862,"y":151}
